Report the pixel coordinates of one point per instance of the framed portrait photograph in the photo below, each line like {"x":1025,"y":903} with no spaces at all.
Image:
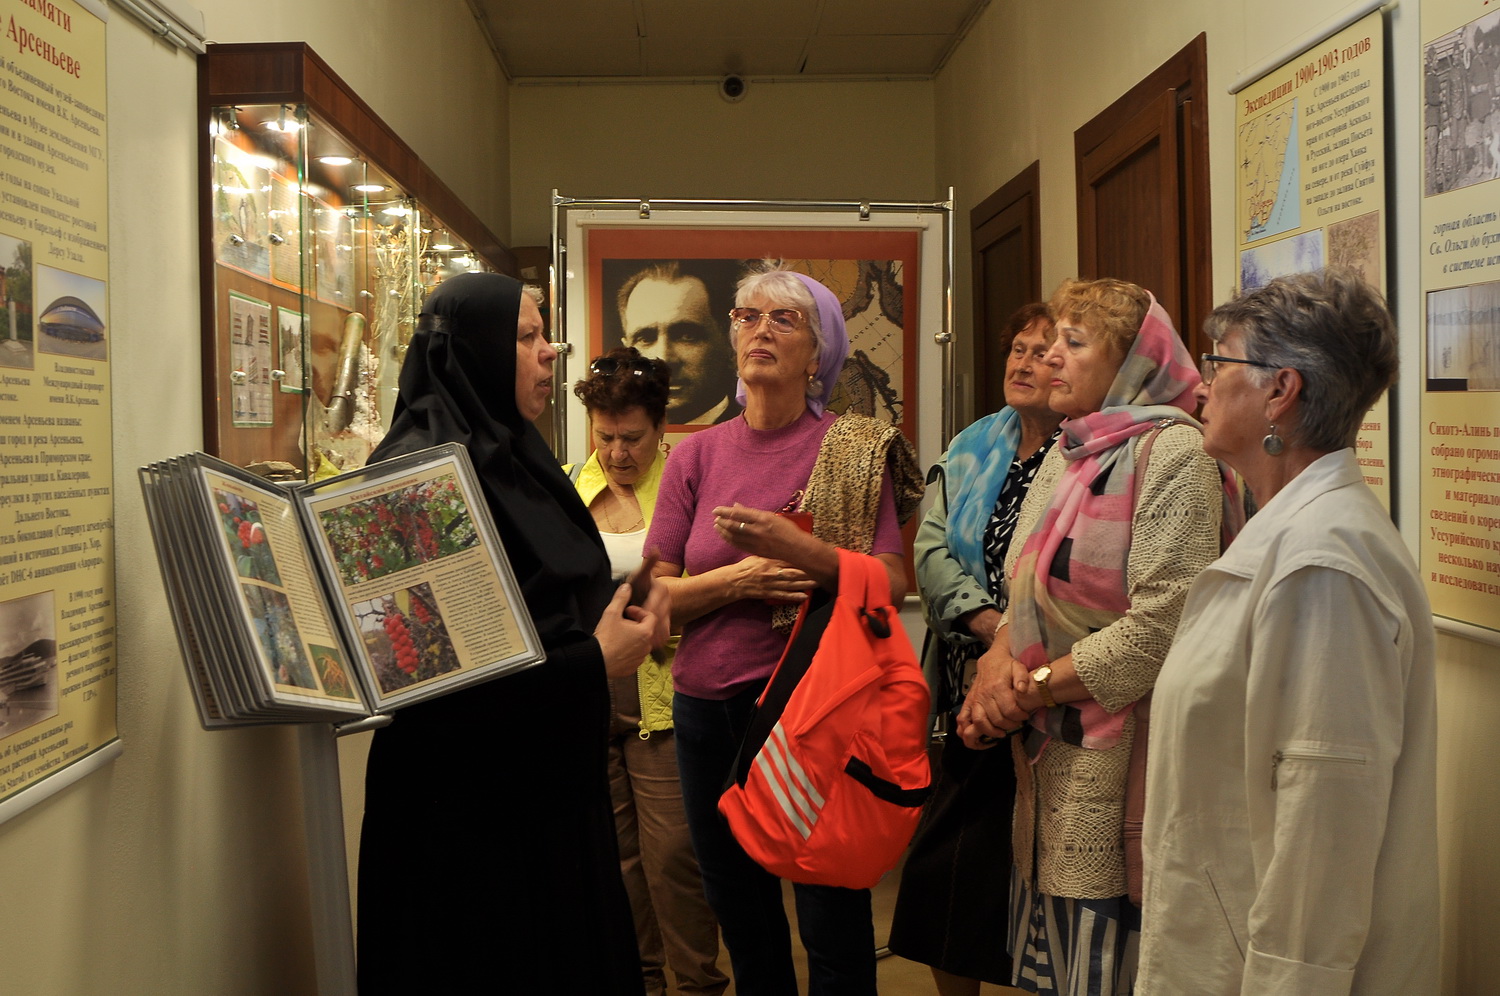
{"x":668,"y":294}
{"x":663,"y":281}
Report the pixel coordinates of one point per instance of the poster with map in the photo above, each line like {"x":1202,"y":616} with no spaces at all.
{"x":1270,"y":173}
{"x":1311,"y":181}
{"x":1459,"y":552}
{"x":668,"y":292}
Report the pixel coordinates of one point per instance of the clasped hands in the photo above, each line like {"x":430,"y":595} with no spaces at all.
{"x":1000,"y":701}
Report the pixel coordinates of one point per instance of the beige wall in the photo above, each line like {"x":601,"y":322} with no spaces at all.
{"x":181,"y":868}
{"x":842,"y":141}
{"x":1024,"y":79}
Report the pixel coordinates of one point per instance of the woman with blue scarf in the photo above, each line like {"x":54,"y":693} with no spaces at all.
{"x":952,"y":906}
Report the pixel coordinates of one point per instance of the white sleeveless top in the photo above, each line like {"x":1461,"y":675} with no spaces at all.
{"x":625,"y":551}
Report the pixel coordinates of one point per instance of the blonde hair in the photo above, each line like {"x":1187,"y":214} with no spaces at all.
{"x":1111,"y":309}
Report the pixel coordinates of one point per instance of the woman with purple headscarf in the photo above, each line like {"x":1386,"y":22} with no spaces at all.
{"x":732,"y":513}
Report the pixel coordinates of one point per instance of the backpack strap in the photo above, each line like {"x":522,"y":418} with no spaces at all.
{"x":864,"y":582}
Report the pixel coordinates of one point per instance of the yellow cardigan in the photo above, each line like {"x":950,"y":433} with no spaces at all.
{"x":654,"y":677}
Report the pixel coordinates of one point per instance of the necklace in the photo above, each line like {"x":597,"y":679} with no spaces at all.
{"x":609,"y":520}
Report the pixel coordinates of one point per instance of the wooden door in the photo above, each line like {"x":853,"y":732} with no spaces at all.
{"x":1005,"y":242}
{"x":1142,"y":167}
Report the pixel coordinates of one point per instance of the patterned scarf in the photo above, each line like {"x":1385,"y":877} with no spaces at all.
{"x":1070,"y":578}
{"x":979,"y":460}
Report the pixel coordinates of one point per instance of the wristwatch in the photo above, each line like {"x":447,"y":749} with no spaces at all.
{"x":1041,"y":676}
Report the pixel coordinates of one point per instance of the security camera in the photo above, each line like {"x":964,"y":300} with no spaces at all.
{"x":732,"y":88}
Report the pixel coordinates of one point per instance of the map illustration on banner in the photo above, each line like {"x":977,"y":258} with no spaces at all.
{"x":1310,"y":141}
{"x":1270,"y":174}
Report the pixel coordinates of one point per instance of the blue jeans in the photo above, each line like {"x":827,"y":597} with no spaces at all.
{"x":835,"y":924}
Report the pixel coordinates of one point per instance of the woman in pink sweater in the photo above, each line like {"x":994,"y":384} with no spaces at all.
{"x":717,"y":519}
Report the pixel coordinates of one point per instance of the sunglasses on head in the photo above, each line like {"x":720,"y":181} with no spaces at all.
{"x":609,"y":366}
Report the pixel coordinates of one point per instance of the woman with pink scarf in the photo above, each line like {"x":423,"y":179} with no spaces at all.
{"x":1123,"y":514}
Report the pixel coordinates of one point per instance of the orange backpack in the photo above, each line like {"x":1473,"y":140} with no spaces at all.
{"x":832,"y":773}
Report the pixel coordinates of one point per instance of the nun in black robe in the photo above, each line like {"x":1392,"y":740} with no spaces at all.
{"x":488,"y":860}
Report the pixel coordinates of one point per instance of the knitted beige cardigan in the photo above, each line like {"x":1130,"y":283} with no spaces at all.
{"x":1078,"y":825}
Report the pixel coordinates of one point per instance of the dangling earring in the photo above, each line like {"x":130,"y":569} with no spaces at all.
{"x":1272,"y":443}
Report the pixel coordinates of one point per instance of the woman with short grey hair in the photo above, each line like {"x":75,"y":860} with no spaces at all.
{"x":1332,"y":329}
{"x":1291,"y":789}
{"x":785,"y":286}
{"x":751,"y":516}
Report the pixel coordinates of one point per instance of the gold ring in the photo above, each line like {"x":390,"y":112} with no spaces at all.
{"x":742,"y":525}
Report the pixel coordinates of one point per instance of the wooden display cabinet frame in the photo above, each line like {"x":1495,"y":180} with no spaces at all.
{"x":291,"y":74}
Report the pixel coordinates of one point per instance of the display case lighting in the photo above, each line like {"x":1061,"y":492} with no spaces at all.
{"x":283,"y":123}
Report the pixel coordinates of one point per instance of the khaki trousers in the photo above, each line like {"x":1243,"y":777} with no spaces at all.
{"x":674,"y":925}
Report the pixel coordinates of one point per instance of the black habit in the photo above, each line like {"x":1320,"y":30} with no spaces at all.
{"x":488,"y":861}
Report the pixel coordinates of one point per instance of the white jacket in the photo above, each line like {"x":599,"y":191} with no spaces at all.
{"x":1290,"y":833}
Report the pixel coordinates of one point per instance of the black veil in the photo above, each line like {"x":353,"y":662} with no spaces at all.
{"x":458,"y":385}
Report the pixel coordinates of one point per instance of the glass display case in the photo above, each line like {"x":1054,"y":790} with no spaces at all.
{"x":322,"y":234}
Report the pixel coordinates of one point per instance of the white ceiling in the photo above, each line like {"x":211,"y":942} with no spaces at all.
{"x":538,"y":39}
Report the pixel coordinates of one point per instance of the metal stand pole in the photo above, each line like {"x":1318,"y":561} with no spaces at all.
{"x":327,"y":863}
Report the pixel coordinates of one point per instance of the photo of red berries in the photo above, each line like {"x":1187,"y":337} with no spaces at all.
{"x":404,"y":528}
{"x":240,"y":520}
{"x":405,"y":637}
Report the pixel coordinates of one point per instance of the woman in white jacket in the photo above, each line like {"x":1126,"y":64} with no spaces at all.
{"x":1291,"y":789}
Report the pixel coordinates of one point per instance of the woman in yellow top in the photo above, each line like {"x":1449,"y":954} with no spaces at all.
{"x":626,"y":397}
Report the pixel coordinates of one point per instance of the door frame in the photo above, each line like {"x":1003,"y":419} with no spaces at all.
{"x":1015,"y":205}
{"x":1185,"y":76}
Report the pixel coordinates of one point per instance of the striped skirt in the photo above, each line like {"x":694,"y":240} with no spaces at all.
{"x":1072,"y":947}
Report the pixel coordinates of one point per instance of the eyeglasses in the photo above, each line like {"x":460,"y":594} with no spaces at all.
{"x":609,"y":366}
{"x":783,"y":320}
{"x":1208,"y":365}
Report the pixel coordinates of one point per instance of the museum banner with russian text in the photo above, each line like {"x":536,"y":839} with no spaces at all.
{"x":1460,"y":279}
{"x":57,"y":620}
{"x":1310,"y":147}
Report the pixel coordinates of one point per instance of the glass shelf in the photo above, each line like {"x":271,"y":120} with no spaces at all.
{"x":319,"y":251}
